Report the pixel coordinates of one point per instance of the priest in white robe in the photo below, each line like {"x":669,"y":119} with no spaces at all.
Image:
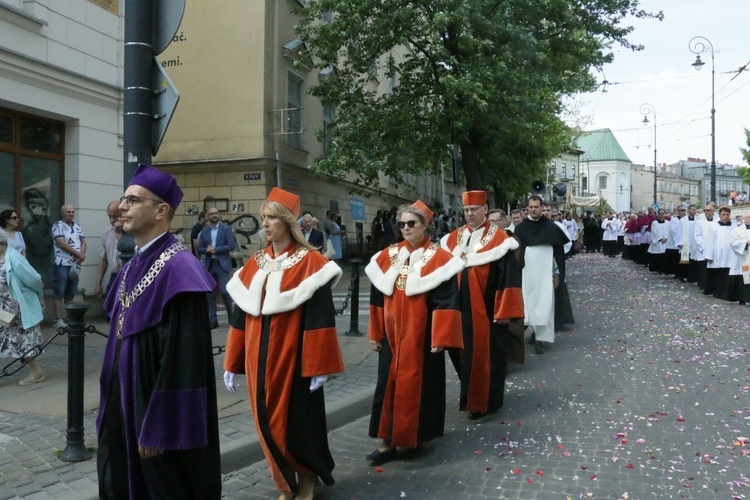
{"x":739,"y":273}
{"x":659,"y":232}
{"x":702,"y":233}
{"x":718,"y":254}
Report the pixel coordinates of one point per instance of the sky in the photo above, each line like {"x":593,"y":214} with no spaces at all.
{"x":661,"y":75}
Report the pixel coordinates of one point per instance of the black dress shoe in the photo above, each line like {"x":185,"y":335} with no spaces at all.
{"x":539,"y":347}
{"x":476,"y":415}
{"x":379,"y":457}
{"x":214,"y":324}
{"x":532,"y":339}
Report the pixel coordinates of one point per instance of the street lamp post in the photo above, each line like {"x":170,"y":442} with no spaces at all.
{"x":646,"y":109}
{"x":699,"y":45}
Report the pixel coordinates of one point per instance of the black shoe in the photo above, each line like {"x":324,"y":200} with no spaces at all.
{"x":532,"y":339}
{"x":214,"y":324}
{"x":476,"y":415}
{"x":539,"y":347}
{"x":379,"y":457}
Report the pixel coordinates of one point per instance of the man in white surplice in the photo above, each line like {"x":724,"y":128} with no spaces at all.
{"x":658,"y":247}
{"x":740,"y":270}
{"x":544,"y":269}
{"x":718,"y":254}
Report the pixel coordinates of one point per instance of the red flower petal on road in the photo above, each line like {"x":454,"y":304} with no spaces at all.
{"x":378,"y":469}
{"x":516,"y":471}
{"x":477,"y":452}
{"x":630,"y":466}
{"x":680,"y":419}
{"x":540,"y":473}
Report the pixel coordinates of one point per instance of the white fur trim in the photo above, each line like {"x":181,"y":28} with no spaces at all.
{"x":249,"y":299}
{"x":278,"y":301}
{"x":385,"y":281}
{"x":416,"y":283}
{"x":481,"y":258}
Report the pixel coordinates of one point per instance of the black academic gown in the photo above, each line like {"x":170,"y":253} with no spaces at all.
{"x":191,"y":473}
{"x":158,"y":387}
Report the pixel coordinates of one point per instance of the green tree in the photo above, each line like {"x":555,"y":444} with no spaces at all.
{"x":410,"y":78}
{"x":744,"y":172}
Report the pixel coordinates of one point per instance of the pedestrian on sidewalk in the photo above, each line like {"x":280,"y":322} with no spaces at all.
{"x":283,"y":337}
{"x":70,"y":252}
{"x":215,"y":246}
{"x":158,"y":426}
{"x":21,"y":302}
{"x":414,"y":315}
{"x":490,"y":289}
{"x":109,"y":260}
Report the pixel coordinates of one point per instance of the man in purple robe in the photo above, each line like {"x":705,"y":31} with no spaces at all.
{"x":158,"y":424}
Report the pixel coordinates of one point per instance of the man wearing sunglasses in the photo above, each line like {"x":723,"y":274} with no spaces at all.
{"x":490,"y":289}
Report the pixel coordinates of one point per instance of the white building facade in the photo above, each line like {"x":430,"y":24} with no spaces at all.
{"x":60,"y":119}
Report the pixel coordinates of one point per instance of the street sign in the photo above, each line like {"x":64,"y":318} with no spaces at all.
{"x":167,"y":18}
{"x":163,"y":103}
{"x":357,"y":208}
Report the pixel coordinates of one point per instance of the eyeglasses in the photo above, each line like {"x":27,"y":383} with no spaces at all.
{"x":403,"y":224}
{"x":131,"y":200}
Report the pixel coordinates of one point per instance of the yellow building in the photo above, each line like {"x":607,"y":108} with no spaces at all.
{"x":246,"y":123}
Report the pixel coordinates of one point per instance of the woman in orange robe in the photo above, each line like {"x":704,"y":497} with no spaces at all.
{"x":414,"y":315}
{"x":283,"y":337}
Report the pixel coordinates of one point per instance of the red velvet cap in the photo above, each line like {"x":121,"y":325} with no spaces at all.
{"x":289,"y":200}
{"x":470,"y":198}
{"x":422,"y":209}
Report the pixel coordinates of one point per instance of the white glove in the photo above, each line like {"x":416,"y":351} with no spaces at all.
{"x":317,"y":382}
{"x":229,"y":381}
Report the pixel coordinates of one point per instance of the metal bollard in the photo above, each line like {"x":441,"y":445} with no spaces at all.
{"x":75,"y":451}
{"x":354,"y":323}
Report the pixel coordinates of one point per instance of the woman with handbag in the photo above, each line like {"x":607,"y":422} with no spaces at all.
{"x":20,"y":309}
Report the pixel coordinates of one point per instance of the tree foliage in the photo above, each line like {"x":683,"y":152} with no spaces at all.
{"x":744,"y":172}
{"x":412,"y":77}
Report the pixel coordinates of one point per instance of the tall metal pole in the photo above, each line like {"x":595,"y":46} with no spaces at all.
{"x":646,"y":109}
{"x":699,"y":45}
{"x":139,"y":34}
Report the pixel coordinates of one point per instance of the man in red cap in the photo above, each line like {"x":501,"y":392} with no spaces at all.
{"x":490,"y":296}
{"x":158,"y":425}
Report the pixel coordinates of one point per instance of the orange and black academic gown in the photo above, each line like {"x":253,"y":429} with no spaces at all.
{"x":490,"y":289}
{"x":282,"y":333}
{"x":413,"y":307}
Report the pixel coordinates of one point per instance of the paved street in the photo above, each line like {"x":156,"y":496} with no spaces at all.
{"x":646,"y":397}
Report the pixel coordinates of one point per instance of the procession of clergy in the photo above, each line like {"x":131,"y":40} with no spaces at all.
{"x":706,"y":248}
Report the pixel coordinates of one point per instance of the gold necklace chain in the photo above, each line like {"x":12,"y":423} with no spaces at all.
{"x":270,"y":266}
{"x":482,"y":243}
{"x":127,"y":299}
{"x":407,"y":268}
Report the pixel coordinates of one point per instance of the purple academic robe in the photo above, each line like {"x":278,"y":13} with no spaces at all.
{"x":158,"y":384}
